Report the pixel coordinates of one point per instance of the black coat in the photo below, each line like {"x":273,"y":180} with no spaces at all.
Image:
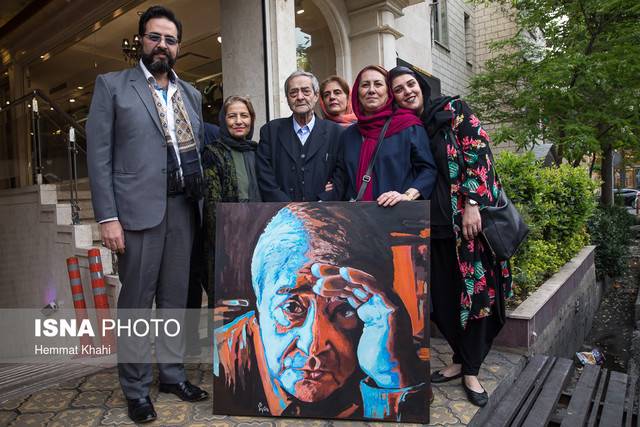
{"x":287,"y":170}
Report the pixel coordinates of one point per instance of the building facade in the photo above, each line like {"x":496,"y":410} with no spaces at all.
{"x":52,"y":50}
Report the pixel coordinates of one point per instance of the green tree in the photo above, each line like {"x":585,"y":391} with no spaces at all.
{"x":571,"y":77}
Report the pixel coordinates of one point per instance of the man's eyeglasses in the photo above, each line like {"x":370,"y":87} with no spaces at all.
{"x":155,"y":37}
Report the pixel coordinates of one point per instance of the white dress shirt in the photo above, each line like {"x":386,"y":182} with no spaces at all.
{"x":303,"y":132}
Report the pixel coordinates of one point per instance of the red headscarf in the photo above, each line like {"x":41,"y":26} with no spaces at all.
{"x":370,"y":126}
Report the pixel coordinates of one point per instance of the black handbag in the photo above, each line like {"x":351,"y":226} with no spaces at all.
{"x":503,"y":229}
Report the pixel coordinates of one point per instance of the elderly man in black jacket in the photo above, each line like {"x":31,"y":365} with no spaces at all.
{"x":297,"y":155}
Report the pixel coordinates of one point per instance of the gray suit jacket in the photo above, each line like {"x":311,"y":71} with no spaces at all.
{"x":126,"y":150}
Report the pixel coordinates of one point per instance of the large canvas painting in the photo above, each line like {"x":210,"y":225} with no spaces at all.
{"x":321,"y":311}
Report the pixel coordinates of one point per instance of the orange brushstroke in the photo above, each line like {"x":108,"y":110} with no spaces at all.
{"x":234,"y":358}
{"x":405,"y":285}
{"x":424,"y":353}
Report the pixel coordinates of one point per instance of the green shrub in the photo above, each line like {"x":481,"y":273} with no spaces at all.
{"x":609,"y":229}
{"x":556,"y":203}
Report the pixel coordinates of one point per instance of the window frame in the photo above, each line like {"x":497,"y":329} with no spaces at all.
{"x":439,"y":23}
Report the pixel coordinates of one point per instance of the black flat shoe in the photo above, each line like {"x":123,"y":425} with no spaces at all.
{"x":437,"y":377}
{"x":185,"y":391}
{"x":141,"y":410}
{"x":478,"y":399}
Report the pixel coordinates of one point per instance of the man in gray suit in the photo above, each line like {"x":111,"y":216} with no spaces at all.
{"x":143,"y":133}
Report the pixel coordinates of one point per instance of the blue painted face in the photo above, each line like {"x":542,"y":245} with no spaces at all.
{"x":309,"y":341}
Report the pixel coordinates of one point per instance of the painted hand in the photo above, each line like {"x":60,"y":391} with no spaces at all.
{"x":385,"y":350}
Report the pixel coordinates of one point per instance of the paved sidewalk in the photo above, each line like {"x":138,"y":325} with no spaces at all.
{"x":96,"y":400}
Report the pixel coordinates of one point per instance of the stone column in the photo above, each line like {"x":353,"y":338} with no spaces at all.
{"x":243,"y":55}
{"x":373,"y":32}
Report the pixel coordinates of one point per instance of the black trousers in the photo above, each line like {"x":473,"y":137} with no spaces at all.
{"x":471,"y":345}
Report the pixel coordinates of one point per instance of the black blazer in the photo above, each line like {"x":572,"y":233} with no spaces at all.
{"x":288,"y":172}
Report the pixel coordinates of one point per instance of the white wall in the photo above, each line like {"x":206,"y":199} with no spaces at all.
{"x":415,"y":44}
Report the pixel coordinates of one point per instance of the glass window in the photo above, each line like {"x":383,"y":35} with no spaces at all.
{"x":439,"y":22}
{"x":469,"y":40}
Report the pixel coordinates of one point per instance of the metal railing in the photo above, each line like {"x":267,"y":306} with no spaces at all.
{"x":66,"y":128}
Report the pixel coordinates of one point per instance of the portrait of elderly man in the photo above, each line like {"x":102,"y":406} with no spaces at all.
{"x":329,"y":336}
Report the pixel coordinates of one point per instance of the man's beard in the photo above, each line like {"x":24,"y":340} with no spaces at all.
{"x":160,"y":66}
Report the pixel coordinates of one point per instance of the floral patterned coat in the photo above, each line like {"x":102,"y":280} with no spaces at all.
{"x":472,"y":175}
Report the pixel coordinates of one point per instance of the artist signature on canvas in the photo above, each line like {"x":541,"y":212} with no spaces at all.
{"x":262,"y":408}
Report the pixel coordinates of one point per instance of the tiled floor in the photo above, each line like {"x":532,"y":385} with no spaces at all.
{"x":96,"y":400}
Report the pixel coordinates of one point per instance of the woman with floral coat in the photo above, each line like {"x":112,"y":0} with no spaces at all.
{"x":468,"y":287}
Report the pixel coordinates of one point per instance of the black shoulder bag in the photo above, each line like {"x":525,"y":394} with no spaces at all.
{"x":366,"y":178}
{"x":503,"y":229}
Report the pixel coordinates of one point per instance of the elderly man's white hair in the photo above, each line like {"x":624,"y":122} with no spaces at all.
{"x":300,"y":73}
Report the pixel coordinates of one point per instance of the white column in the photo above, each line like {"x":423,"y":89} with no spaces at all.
{"x":243,"y":56}
{"x":281,"y":42}
{"x":373,"y":32}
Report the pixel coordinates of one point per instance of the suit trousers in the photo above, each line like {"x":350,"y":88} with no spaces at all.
{"x":471,"y":345}
{"x":155,"y":265}
{"x":197,"y":284}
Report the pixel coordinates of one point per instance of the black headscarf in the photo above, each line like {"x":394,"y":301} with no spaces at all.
{"x":433,"y":116}
{"x":245,"y":144}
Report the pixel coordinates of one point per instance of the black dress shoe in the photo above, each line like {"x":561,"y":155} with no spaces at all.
{"x":185,"y":391}
{"x":141,"y":410}
{"x":478,"y":399}
{"x":437,"y":377}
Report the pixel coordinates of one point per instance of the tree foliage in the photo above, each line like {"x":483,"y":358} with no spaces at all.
{"x":571,"y":77}
{"x":556,"y":204}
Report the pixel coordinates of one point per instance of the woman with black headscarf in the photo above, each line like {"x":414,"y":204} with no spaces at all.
{"x":468,"y":287}
{"x":229,"y":169}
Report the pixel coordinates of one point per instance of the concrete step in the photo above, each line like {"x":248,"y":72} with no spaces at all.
{"x":83,"y":184}
{"x":64,"y":196}
{"x":86,"y":210}
{"x":84,"y":199}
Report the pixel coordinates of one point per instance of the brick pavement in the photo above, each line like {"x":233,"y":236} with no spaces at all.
{"x":96,"y":400}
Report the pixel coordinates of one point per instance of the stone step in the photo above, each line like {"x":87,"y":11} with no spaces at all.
{"x":64,"y":196}
{"x":84,"y":199}
{"x":86,"y":211}
{"x":83,"y":184}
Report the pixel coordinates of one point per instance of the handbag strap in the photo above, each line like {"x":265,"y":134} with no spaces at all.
{"x":366,"y":178}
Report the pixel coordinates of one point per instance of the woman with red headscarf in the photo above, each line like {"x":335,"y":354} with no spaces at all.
{"x":335,"y":101}
{"x":403,"y":168}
